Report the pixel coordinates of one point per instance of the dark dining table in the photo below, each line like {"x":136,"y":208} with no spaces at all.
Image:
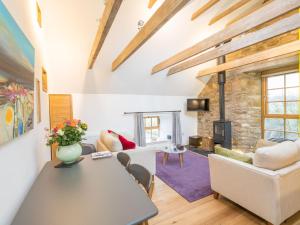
{"x":92,"y":192}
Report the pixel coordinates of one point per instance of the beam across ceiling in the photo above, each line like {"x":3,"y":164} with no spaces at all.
{"x":286,"y":49}
{"x":262,"y":15}
{"x":165,"y":12}
{"x":283,"y":26}
{"x":205,"y":7}
{"x":151,"y":3}
{"x":229,"y":10}
{"x":109,"y":14}
{"x":253,"y":8}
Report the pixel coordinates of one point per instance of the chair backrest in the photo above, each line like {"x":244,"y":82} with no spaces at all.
{"x":124,"y":159}
{"x":142,"y":175}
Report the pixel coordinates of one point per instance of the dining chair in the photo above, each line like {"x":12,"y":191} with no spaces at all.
{"x":143,"y":177}
{"x":124,"y":159}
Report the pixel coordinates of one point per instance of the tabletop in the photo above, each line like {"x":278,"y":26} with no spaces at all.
{"x":92,"y":192}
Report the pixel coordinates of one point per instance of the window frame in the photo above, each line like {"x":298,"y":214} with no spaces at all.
{"x":265,"y":109}
{"x":151,"y":128}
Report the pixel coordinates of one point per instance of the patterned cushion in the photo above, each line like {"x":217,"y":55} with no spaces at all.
{"x":111,"y":142}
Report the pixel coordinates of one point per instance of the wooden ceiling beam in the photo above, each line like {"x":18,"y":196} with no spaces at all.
{"x":283,"y":26}
{"x":255,"y":7}
{"x":151,"y":3}
{"x":109,"y":14}
{"x":205,"y":7}
{"x":229,"y":10}
{"x":262,"y":15}
{"x":164,"y":13}
{"x":286,"y":49}
{"x":273,"y":63}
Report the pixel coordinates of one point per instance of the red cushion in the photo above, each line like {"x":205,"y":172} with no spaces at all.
{"x":126,"y":144}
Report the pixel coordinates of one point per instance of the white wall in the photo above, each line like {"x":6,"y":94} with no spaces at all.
{"x":22,"y":159}
{"x":73,"y":39}
{"x":106,"y":111}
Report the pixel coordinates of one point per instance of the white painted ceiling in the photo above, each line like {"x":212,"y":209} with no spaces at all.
{"x":69,"y":28}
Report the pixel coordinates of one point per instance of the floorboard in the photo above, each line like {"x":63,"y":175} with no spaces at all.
{"x":174,"y":209}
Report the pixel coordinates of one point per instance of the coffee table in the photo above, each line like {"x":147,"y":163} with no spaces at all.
{"x":172,"y":149}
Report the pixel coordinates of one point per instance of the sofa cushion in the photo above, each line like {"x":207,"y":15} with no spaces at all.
{"x":264,"y":143}
{"x":111,"y":142}
{"x":233,"y":154}
{"x":297,"y":142}
{"x":277,"y":156}
{"x":126,"y":143}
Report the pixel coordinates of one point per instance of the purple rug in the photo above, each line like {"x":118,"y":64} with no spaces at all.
{"x":192,"y":181}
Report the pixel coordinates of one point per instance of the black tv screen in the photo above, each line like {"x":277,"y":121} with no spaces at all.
{"x":198,"y":104}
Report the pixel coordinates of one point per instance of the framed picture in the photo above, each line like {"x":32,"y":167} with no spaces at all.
{"x":38,"y":99}
{"x":16,"y":79}
{"x":44,"y":80}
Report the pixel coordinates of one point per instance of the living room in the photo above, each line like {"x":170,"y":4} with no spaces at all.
{"x":149,"y":112}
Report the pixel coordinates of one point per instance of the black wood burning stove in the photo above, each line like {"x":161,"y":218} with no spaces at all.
{"x":222,"y":128}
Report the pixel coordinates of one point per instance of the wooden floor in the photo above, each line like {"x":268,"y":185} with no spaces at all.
{"x":173,"y":209}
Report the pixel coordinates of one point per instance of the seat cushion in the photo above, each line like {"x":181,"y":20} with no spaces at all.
{"x":111,"y":142}
{"x":233,"y":154}
{"x":277,"y":156}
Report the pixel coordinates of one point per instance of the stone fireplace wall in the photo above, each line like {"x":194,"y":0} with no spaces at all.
{"x":242,"y":107}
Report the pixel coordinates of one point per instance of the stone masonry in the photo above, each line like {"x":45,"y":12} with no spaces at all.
{"x":242,"y":108}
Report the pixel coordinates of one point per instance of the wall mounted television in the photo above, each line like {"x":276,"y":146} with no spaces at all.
{"x":198,"y":104}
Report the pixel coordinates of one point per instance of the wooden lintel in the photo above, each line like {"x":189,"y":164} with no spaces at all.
{"x":205,"y":7}
{"x":109,"y":14}
{"x":283,"y":26}
{"x":165,"y":12}
{"x":229,"y":10}
{"x":286,"y":49}
{"x":262,"y":15}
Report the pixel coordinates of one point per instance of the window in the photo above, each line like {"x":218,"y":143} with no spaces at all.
{"x":281,"y":106}
{"x":152,"y":128}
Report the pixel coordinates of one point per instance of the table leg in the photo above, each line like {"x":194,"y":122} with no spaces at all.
{"x":181,"y":159}
{"x":165,"y":158}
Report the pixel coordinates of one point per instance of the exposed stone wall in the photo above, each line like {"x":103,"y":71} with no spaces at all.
{"x":242,"y":107}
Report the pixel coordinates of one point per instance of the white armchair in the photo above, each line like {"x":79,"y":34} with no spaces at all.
{"x":272,"y":195}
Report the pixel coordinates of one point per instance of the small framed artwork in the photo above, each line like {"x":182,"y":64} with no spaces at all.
{"x":45,"y":80}
{"x":38,"y":98}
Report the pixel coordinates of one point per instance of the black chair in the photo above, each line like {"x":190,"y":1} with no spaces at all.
{"x":142,"y":176}
{"x":124,"y":159}
{"x":87,"y":148}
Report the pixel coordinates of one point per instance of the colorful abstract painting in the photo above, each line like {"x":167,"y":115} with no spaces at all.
{"x":16,"y":79}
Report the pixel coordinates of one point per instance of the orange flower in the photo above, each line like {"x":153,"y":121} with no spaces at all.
{"x":76,"y":121}
{"x":60,"y":126}
{"x":73,"y":124}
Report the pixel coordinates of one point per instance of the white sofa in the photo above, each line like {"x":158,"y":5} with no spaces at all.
{"x":272,"y":195}
{"x":145,"y":156}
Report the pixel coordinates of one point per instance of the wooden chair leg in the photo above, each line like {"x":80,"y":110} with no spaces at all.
{"x":216,"y":195}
